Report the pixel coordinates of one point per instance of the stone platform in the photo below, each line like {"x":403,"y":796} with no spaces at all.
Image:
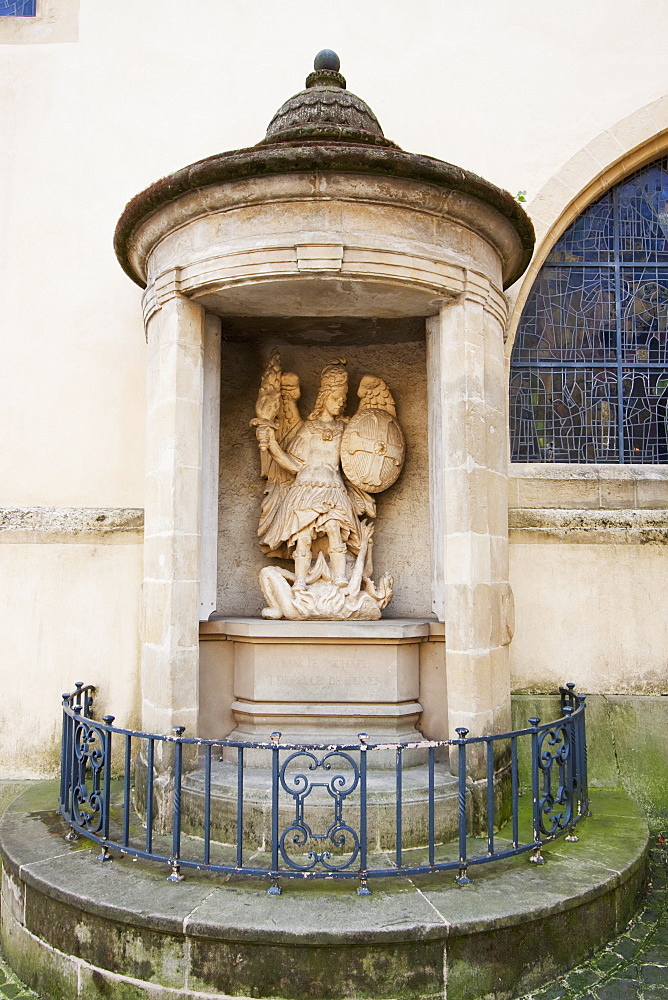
{"x":75,"y":928}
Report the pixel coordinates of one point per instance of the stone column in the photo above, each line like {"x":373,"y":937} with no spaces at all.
{"x":170,"y":657}
{"x":467,"y":429}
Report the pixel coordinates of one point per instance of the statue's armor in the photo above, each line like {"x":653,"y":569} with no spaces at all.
{"x":317,"y":494}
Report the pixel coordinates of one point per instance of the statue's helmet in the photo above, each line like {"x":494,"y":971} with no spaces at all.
{"x":334,"y":375}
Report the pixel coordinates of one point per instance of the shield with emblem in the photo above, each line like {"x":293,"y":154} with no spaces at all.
{"x":373,"y":450}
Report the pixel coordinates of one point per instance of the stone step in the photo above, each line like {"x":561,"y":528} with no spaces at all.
{"x":73,"y":927}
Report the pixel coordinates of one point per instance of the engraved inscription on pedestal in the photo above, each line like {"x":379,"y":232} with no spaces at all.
{"x":311,"y":514}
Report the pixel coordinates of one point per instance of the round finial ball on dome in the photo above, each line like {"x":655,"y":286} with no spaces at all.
{"x":327,"y":59}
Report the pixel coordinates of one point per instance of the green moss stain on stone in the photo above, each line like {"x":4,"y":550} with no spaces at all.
{"x":627,"y":740}
{"x":502,"y":966}
{"x":410,"y":969}
{"x":53,"y":977}
{"x":129,"y":950}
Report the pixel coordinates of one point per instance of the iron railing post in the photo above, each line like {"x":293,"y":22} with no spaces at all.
{"x":150,"y":756}
{"x":274,"y":888}
{"x":175,"y":875}
{"x":207,"y":804}
{"x":431,"y":805}
{"x":399,"y":806}
{"x":72,"y":763}
{"x":65,"y":776}
{"x":571,"y":781}
{"x":536,"y":857}
{"x":515,"y":791}
{"x":582,"y":741}
{"x":240,"y":807}
{"x":104,"y":854}
{"x":462,"y":877}
{"x":490,"y":796}
{"x":363,"y":888}
{"x":127,"y":790}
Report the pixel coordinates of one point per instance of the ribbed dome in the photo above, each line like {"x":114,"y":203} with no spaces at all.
{"x":325,"y":110}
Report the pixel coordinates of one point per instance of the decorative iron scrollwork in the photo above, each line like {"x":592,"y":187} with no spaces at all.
{"x":341,"y":838}
{"x":554,"y":755}
{"x":88,"y":805}
{"x":333,"y":781}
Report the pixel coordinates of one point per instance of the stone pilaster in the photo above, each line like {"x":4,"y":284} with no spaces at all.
{"x":170,"y":657}
{"x":469,"y":508}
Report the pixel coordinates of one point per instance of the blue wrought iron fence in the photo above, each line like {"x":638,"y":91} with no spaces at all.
{"x":114,"y":793}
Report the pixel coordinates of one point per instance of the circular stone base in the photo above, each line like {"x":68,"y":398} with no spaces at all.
{"x":75,"y":928}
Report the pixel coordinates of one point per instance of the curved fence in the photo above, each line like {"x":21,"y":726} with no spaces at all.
{"x":278,"y":809}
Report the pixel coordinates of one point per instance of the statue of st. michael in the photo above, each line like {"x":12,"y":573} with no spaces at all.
{"x":312,"y":514}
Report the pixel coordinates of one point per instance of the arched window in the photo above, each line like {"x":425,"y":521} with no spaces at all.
{"x":589,"y":368}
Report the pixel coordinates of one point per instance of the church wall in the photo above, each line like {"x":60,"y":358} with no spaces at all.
{"x":595,"y":613}
{"x":69,"y":611}
{"x":590,"y":575}
{"x":138,"y":90}
{"x":93,"y":111}
{"x":401,"y":540}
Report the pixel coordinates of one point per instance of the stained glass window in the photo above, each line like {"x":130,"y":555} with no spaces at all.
{"x":18,"y":8}
{"x":589,"y":369}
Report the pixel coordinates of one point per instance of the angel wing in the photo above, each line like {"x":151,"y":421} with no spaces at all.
{"x":374,"y":394}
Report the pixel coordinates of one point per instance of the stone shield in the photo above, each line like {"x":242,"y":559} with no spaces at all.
{"x":373,"y":450}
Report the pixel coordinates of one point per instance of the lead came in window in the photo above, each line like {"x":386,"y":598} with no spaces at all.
{"x":589,"y":369}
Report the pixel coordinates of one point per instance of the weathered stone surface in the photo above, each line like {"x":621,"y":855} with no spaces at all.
{"x":63,"y":524}
{"x":459,"y":186}
{"x":123,"y":920}
{"x":606,"y":526}
{"x":627,"y":740}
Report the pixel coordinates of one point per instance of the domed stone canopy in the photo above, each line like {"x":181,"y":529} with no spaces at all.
{"x":329,"y":134}
{"x":325,"y":110}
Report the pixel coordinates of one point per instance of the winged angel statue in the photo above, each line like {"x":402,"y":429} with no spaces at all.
{"x":310,"y":514}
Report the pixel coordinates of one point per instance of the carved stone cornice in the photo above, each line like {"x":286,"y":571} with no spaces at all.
{"x":71,"y":524}
{"x":591,"y":527}
{"x":215,"y":180}
{"x":164,"y":287}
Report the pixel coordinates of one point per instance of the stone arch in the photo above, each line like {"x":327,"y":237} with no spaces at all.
{"x":616,"y":152}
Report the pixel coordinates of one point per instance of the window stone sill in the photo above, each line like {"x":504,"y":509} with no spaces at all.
{"x":541,"y":485}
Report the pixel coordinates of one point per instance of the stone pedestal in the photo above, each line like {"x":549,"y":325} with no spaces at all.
{"x":326,"y":682}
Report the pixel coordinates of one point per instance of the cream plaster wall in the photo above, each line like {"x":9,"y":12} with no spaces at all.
{"x":595,"y":614}
{"x":69,"y":611}
{"x":511,"y":90}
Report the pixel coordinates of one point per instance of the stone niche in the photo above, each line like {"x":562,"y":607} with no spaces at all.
{"x":326,"y":240}
{"x":401,"y":543}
